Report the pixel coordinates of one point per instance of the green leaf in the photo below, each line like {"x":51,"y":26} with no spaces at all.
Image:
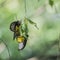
{"x":38,"y":0}
{"x":51,"y":2}
{"x":26,"y":27}
{"x":33,"y":23}
{"x":2,"y":4}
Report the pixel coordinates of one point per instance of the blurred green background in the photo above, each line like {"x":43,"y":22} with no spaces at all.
{"x":42,"y":44}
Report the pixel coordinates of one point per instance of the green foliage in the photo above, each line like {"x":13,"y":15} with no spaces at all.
{"x":32,"y":23}
{"x":51,"y":2}
{"x":43,"y":41}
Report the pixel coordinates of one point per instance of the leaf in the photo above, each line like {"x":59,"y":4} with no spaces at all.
{"x":36,"y":26}
{"x":26,"y":26}
{"x":38,"y":0}
{"x":51,"y":2}
{"x":2,"y":4}
{"x":33,"y":23}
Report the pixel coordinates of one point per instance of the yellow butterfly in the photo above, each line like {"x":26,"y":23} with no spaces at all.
{"x":15,"y":27}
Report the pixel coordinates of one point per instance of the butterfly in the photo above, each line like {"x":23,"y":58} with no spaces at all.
{"x":15,"y":28}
